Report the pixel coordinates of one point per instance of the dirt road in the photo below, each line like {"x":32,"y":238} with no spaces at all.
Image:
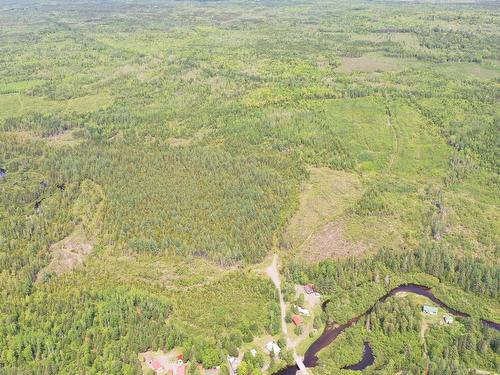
{"x":274,"y":274}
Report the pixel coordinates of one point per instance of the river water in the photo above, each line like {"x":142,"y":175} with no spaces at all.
{"x":331,"y":332}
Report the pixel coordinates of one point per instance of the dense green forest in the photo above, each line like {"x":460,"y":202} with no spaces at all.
{"x":154,"y":154}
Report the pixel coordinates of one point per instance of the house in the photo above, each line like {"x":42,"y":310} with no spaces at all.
{"x":273,"y":347}
{"x":253,"y":352}
{"x":155,"y":365}
{"x":430,"y":310}
{"x":181,"y":370}
{"x":448,"y":319}
{"x":309,"y":288}
{"x":303,"y":311}
{"x":297,"y":320}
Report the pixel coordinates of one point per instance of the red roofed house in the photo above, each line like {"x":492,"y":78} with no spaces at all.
{"x":155,"y":365}
{"x":297,"y":320}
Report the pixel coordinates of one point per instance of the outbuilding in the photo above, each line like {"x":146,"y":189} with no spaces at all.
{"x":430,"y":310}
{"x":303,"y":311}
{"x":297,"y":320}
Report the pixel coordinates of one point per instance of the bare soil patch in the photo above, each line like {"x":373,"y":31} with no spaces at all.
{"x":67,"y":254}
{"x":71,"y":251}
{"x":316,"y":231}
{"x":330,"y":243}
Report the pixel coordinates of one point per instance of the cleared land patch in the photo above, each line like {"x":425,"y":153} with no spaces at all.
{"x":369,"y":64}
{"x":312,"y":231}
{"x":66,"y":138}
{"x":71,"y":251}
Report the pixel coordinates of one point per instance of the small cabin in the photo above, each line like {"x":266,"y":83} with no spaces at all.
{"x":297,"y":320}
{"x":430,"y":310}
{"x":448,"y":319}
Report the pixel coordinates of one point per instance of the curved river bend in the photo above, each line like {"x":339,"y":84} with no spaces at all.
{"x":333,"y":331}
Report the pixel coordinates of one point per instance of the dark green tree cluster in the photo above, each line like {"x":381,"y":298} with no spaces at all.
{"x":41,"y":124}
{"x":95,"y":332}
{"x":471,"y":274}
{"x":395,"y":315}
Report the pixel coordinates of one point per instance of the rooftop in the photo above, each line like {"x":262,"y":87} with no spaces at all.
{"x":430,"y":309}
{"x":297,"y":320}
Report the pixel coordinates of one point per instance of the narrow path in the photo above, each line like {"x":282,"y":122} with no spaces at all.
{"x":397,"y":140}
{"x":274,"y":274}
{"x":21,"y":104}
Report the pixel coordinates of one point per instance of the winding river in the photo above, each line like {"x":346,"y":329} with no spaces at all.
{"x":331,"y":332}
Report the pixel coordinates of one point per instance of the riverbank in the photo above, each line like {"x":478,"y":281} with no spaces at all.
{"x":331,"y":332}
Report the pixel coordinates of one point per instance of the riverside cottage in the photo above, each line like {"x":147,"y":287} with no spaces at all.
{"x":430,"y":310}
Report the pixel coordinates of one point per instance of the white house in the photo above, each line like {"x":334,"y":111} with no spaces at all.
{"x":303,"y":311}
{"x":430,"y":310}
{"x":448,"y":319}
{"x":273,"y":347}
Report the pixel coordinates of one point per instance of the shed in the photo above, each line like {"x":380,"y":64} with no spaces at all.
{"x":448,"y":319}
{"x":430,"y":310}
{"x":303,"y":311}
{"x":297,"y":320}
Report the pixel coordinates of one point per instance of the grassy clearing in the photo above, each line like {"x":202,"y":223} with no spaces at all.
{"x":14,"y":105}
{"x":369,"y":64}
{"x":469,"y":71}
